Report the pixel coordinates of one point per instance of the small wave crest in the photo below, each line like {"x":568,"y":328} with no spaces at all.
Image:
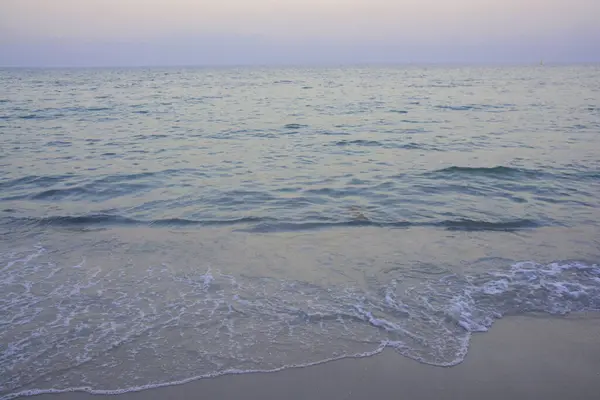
{"x":513,"y":173}
{"x":34,"y":181}
{"x":497,"y":171}
{"x":294,"y":126}
{"x":386,"y":145}
{"x":467,"y":225}
{"x":271,"y":225}
{"x":476,"y":225}
{"x":358,"y":142}
{"x":477,"y":107}
{"x":110,"y":219}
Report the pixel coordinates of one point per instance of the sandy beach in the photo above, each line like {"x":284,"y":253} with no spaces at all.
{"x":523,"y":357}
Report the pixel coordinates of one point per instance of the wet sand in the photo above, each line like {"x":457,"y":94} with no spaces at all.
{"x":525,"y":357}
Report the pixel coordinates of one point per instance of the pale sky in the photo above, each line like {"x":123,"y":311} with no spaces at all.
{"x":183,"y":32}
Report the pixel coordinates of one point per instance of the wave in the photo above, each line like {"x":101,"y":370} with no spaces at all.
{"x":420,"y":122}
{"x":96,"y":190}
{"x":59,"y":143}
{"x":419,"y":146}
{"x":294,"y":126}
{"x":141,"y":388}
{"x":106,"y":185}
{"x":91,"y":109}
{"x":387,"y":145}
{"x":475,"y":225}
{"x":431,"y":322}
{"x":358,"y":142}
{"x":457,"y":108}
{"x":334,"y":133}
{"x":153,"y":136}
{"x":110,"y":219}
{"x":503,"y":172}
{"x":467,"y":225}
{"x":476,"y":107}
{"x":39,"y":116}
{"x":497,"y":171}
{"x":271,"y":225}
{"x":34,"y":180}
{"x":52,"y":113}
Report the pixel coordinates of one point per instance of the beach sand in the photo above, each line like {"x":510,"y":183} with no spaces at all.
{"x":524,"y":357}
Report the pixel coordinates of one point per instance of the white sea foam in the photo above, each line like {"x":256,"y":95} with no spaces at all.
{"x":209,"y":323}
{"x":496,"y":287}
{"x":207,"y":279}
{"x":89,"y":390}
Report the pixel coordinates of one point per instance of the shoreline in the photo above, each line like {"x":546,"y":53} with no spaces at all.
{"x":523,"y":357}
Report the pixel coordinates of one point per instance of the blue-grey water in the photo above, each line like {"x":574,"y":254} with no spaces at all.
{"x":163,"y":225}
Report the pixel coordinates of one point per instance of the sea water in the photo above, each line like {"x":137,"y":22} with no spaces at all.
{"x":162,"y":225}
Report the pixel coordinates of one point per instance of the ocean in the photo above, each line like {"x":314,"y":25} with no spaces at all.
{"x":164,"y":225}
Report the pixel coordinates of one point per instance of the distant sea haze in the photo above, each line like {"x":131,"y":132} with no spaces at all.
{"x":232,"y":51}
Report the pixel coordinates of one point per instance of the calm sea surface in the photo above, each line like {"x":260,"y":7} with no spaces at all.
{"x":159,"y":226}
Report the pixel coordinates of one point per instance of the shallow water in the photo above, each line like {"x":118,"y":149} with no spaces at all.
{"x":163,"y":225}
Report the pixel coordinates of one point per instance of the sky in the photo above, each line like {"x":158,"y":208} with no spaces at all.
{"x":239,"y":32}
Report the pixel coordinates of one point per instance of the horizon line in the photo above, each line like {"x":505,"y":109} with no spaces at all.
{"x":316,"y":65}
